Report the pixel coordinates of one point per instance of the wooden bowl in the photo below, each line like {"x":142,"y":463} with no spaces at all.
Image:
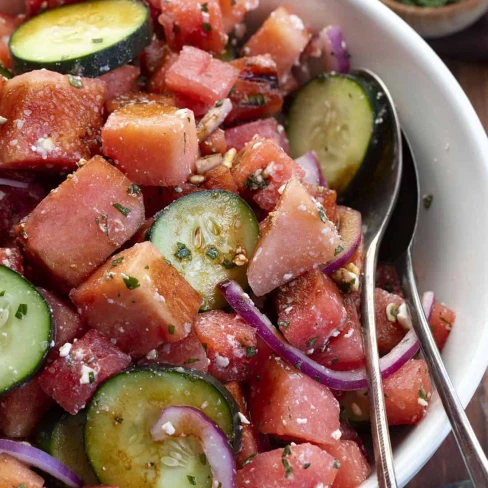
{"x":442,"y":21}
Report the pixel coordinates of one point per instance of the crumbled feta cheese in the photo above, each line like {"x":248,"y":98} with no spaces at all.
{"x":422,"y":402}
{"x":349,"y":333}
{"x":391,"y":312}
{"x":152,"y":354}
{"x":403,"y":317}
{"x":288,"y":276}
{"x":221,"y":361}
{"x":346,"y":277}
{"x":302,"y":421}
{"x":88,"y":375}
{"x":336,"y":434}
{"x":65,"y":349}
{"x":244,"y":419}
{"x":204,"y":405}
{"x":168,"y":428}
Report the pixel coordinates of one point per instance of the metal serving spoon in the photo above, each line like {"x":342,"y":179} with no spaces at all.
{"x":376,"y":202}
{"x":397,"y":249}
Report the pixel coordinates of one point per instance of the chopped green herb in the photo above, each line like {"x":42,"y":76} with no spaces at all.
{"x":257,"y":100}
{"x":284,"y":324}
{"x":203,"y":458}
{"x":249,"y":459}
{"x":254,"y":183}
{"x":287,"y":466}
{"x":192,"y":480}
{"x":171,"y":329}
{"x":204,"y":7}
{"x":422,"y":394}
{"x":335,"y":361}
{"x":147,"y":266}
{"x":442,"y":318}
{"x":219,"y":103}
{"x":191,"y":360}
{"x":311,"y":342}
{"x":98,"y":40}
{"x":130,"y":282}
{"x":118,"y":420}
{"x":306,"y":465}
{"x":182,"y":252}
{"x":117,"y":261}
{"x":336,"y":464}
{"x":75,"y":81}
{"x":250,"y":351}
{"x":322,"y":216}
{"x":228,"y":264}
{"x":22,"y":485}
{"x":21,"y":311}
{"x":91,"y":377}
{"x":2,"y":293}
{"x":338,"y":250}
{"x":286,"y":451}
{"x":428,"y":199}
{"x":206,"y":27}
{"x":134,"y":190}
{"x":123,"y":210}
{"x":395,"y":311}
{"x":212,"y":253}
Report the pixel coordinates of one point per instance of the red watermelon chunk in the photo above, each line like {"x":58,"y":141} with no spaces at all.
{"x":441,"y":323}
{"x":261,"y":168}
{"x":153,"y":55}
{"x":138,"y":300}
{"x":388,"y":333}
{"x":310,"y":311}
{"x":34,"y":7}
{"x":22,"y":409}
{"x":91,"y":214}
{"x":120,"y":81}
{"x":250,"y":442}
{"x":188,"y":352}
{"x":15,"y":203}
{"x":68,"y":325}
{"x":311,"y":240}
{"x":220,"y":178}
{"x":157,"y":81}
{"x":51,"y":124}
{"x":238,"y":137}
{"x":75,"y":376}
{"x":138,"y":97}
{"x":234,"y":11}
{"x":230,"y":343}
{"x":256,"y":93}
{"x":8,"y":23}
{"x":302,"y":466}
{"x":170,"y":147}
{"x":12,"y":258}
{"x":388,"y":280}
{"x":213,"y":144}
{"x":345,"y":352}
{"x":284,"y":36}
{"x":193,"y":23}
{"x":14,"y":474}
{"x":326,"y":197}
{"x":196,"y":74}
{"x":288,"y":404}
{"x":353,"y":465}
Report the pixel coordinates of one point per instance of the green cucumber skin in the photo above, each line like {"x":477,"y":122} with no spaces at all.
{"x":38,"y":367}
{"x":95,"y":64}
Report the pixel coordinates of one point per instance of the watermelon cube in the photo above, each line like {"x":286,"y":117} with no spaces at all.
{"x":188,"y":352}
{"x":157,"y":81}
{"x":138,"y":300}
{"x":311,"y":240}
{"x":345,"y":352}
{"x":120,"y":81}
{"x":353,"y":465}
{"x":261,"y":168}
{"x":230,"y":343}
{"x":388,"y":280}
{"x":170,"y":147}
{"x":199,"y":76}
{"x":51,"y":124}
{"x":310,"y":311}
{"x":22,"y":410}
{"x":213,"y":144}
{"x":91,"y":214}
{"x":8,"y":23}
{"x":80,"y":369}
{"x":284,"y":36}
{"x":389,"y":333}
{"x":287,"y":404}
{"x":237,"y":137}
{"x":67,"y":323}
{"x":14,"y":474}
{"x":250,"y":442}
{"x":12,"y":258}
{"x":302,"y":466}
{"x":441,"y":323}
{"x":220,"y":178}
{"x":234,"y":11}
{"x":256,"y":93}
{"x":193,"y":22}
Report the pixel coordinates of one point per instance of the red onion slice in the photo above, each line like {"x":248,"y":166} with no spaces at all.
{"x":41,"y":460}
{"x":336,"y":380}
{"x":334,"y":48}
{"x":350,"y":230}
{"x":313,"y":173}
{"x":428,"y":302}
{"x":182,"y":421}
{"x":14,"y":183}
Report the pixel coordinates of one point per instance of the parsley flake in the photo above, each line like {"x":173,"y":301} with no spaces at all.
{"x":134,"y":190}
{"x":191,"y":361}
{"x":203,"y":459}
{"x":206,"y":27}
{"x":250,"y":351}
{"x":254,"y":183}
{"x":212,"y":253}
{"x":286,"y":451}
{"x":428,"y":199}
{"x":257,"y":100}
{"x":219,"y":103}
{"x":98,"y":40}
{"x":192,"y":480}
{"x":249,"y":459}
{"x":311,"y":342}
{"x":21,"y":311}
{"x":287,"y":466}
{"x":322,"y":216}
{"x":123,"y":210}
{"x":422,"y":394}
{"x":306,"y":465}
{"x":171,"y":329}
{"x":182,"y":252}
{"x":284,"y":324}
{"x":2,"y":293}
{"x":130,"y":282}
{"x":117,"y":261}
{"x":338,"y":250}
{"x":118,"y":420}
{"x":336,"y":464}
{"x":75,"y":81}
{"x":91,"y":377}
{"x":204,"y":7}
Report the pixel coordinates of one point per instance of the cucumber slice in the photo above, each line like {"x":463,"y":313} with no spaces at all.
{"x":61,"y":435}
{"x":119,"y":418}
{"x":337,"y":117}
{"x":200,"y":234}
{"x":85,"y":39}
{"x":26,"y":329}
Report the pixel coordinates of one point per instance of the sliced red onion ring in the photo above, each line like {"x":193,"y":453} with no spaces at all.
{"x":14,"y":183}
{"x":41,"y":460}
{"x":336,"y":380}
{"x":181,"y":421}
{"x":350,"y":230}
{"x":428,"y":302}
{"x":335,"y":53}
{"x":313,"y":173}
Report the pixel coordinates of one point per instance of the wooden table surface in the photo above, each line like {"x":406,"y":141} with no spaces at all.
{"x":447,"y":466}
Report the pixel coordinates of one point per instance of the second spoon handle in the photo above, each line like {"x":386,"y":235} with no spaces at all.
{"x":470,"y":448}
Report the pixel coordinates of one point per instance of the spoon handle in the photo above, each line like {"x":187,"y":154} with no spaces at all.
{"x":385,"y":470}
{"x":474,"y":458}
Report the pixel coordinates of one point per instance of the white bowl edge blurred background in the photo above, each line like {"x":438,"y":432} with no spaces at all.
{"x":451,"y":148}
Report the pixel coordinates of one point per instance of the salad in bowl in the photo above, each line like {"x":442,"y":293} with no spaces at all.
{"x":179,"y":280}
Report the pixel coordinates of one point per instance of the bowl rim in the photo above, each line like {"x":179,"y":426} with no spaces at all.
{"x":436,"y":12}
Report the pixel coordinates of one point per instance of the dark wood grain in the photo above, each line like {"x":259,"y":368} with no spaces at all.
{"x":447,"y":466}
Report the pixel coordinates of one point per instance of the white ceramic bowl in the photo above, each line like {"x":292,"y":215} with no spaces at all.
{"x":452,"y":152}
